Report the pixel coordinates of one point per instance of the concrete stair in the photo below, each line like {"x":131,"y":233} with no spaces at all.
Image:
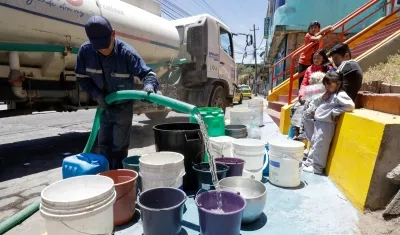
{"x":378,"y":37}
{"x":274,"y":107}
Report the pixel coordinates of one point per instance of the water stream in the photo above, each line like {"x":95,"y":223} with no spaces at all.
{"x":213,"y":166}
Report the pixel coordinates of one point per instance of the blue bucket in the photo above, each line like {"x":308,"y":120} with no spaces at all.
{"x":266,"y":158}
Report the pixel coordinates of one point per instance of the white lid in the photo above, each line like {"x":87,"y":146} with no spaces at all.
{"x":286,"y":144}
{"x":249,"y":143}
{"x":221,"y":139}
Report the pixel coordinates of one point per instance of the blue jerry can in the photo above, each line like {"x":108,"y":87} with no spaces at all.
{"x":84,"y":164}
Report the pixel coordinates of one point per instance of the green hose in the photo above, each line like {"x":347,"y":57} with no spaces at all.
{"x":137,"y":95}
{"x":19,"y":217}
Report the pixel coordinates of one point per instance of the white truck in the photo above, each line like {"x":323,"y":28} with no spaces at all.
{"x":193,"y":57}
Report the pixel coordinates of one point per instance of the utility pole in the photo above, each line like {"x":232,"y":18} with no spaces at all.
{"x":255,"y":54}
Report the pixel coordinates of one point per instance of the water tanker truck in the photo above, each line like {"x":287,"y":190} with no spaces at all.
{"x":193,"y":57}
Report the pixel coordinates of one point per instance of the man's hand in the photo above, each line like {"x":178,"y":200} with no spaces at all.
{"x":101,"y":101}
{"x":149,"y":89}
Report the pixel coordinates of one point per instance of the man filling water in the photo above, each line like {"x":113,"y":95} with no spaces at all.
{"x":106,"y":65}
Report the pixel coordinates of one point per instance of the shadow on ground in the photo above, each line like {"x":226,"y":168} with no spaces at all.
{"x":23,"y":158}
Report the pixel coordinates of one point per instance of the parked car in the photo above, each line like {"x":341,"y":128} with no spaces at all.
{"x":238,"y":97}
{"x":246,"y":90}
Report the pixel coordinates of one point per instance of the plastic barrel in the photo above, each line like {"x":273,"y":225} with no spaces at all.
{"x":235,"y":166}
{"x":125,"y":186}
{"x":285,"y":159}
{"x":79,"y":205}
{"x":183,"y":138}
{"x":214,"y":118}
{"x":132,"y":163}
{"x":213,"y":221}
{"x":161,"y":211}
{"x":204,"y":177}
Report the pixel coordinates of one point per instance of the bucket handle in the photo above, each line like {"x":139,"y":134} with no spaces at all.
{"x":262,"y":169}
{"x":66,"y":225}
{"x":188,"y":139}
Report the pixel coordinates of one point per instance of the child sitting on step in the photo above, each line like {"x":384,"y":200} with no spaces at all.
{"x":327,"y":108}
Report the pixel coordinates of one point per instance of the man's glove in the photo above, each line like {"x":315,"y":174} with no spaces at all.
{"x":101,"y":101}
{"x":149,"y":89}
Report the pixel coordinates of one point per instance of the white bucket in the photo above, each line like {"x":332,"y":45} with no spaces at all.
{"x":161,"y":169}
{"x":252,"y":151}
{"x":79,"y":205}
{"x":256,"y":107}
{"x":221,"y":145}
{"x":240,"y":116}
{"x":285,"y":162}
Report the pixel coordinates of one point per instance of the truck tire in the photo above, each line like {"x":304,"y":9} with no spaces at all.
{"x":218,"y":98}
{"x":241,"y":99}
{"x":157,"y":116}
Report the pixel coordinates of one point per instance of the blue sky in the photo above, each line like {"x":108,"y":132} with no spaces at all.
{"x":239,"y":15}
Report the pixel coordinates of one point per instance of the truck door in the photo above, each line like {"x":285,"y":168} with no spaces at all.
{"x":226,"y":69}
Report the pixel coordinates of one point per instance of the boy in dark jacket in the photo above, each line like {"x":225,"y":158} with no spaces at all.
{"x":353,"y":76}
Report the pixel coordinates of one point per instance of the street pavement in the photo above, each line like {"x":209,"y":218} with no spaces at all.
{"x":32,"y":148}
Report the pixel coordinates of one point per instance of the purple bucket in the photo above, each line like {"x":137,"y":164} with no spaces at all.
{"x":235,"y":165}
{"x":217,"y":223}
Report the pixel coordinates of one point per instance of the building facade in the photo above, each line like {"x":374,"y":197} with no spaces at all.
{"x":287,"y":21}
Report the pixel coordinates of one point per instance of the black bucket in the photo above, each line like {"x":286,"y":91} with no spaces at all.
{"x":183,"y":138}
{"x":161,"y":211}
{"x":204,"y":177}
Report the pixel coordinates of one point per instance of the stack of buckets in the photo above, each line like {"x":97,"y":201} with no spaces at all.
{"x":252,"y":151}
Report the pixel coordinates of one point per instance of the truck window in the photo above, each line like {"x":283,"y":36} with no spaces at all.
{"x":226,"y":41}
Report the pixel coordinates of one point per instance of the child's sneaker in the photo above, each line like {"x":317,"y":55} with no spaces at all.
{"x":311,"y":169}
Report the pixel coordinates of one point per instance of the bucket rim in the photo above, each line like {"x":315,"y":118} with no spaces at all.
{"x":224,"y":214}
{"x":157,"y":127}
{"x":79,"y":202}
{"x":144,"y":156}
{"x":241,"y":161}
{"x":246,"y":178}
{"x":198,"y":170}
{"x":75,"y":216}
{"x":162,"y":209}
{"x":122,"y":170}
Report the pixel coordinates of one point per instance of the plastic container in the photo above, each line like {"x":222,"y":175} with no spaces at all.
{"x":285,"y":159}
{"x":214,"y":222}
{"x":221,"y":146}
{"x":235,"y":165}
{"x":183,"y":138}
{"x":204,"y":177}
{"x":84,"y":164}
{"x":214,"y":118}
{"x":250,"y":150}
{"x":161,"y":211}
{"x":125,"y":185}
{"x":266,"y":160}
{"x":79,"y":205}
{"x":132,"y":163}
{"x":236,"y":131}
{"x":256,"y":107}
{"x":240,"y":116}
{"x":162,"y":169}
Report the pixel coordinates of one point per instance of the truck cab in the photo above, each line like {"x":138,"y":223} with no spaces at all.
{"x":207,"y":79}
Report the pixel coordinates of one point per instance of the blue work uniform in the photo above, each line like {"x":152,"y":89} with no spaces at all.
{"x":101,"y":75}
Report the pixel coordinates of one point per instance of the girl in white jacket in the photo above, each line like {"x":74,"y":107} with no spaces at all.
{"x":326,"y":109}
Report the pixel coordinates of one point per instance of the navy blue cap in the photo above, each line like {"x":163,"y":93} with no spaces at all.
{"x":98,"y":30}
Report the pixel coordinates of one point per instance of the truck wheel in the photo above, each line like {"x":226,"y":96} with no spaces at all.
{"x":218,"y":98}
{"x":241,"y":99}
{"x":157,"y":116}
